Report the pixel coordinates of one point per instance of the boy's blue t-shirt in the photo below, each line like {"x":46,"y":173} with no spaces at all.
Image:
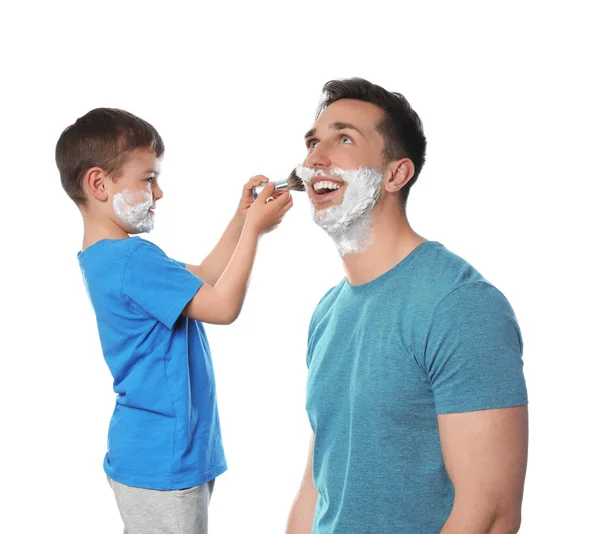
{"x":164,"y":433}
{"x":429,"y":337}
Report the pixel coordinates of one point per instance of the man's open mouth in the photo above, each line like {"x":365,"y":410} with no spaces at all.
{"x":324,"y":187}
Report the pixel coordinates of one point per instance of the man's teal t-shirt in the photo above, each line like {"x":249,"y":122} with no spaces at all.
{"x":431,"y":336}
{"x":164,"y":433}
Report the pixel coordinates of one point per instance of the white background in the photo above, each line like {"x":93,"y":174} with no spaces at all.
{"x":509,"y":99}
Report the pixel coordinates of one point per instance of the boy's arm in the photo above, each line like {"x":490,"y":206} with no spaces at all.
{"x":222,"y":303}
{"x":213,"y":266}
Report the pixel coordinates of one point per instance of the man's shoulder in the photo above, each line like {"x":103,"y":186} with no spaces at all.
{"x":474,"y":297}
{"x":442,"y":273}
{"x":446,"y":265}
{"x":329,"y":297}
{"x":437,"y":281}
{"x":325,"y":304}
{"x":457,"y":282}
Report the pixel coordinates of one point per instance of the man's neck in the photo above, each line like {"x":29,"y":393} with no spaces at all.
{"x":96,"y":229}
{"x":392,"y":240}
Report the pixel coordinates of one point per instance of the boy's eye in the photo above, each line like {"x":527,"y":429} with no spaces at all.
{"x":346,"y":140}
{"x":150,"y":179}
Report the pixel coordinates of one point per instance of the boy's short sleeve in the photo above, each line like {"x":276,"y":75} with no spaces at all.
{"x":157,"y":285}
{"x":473,"y":352}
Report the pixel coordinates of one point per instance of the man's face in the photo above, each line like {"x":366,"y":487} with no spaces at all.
{"x":343,"y":137}
{"x":133,"y":195}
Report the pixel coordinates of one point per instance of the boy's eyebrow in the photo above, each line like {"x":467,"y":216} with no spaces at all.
{"x":153,"y":171}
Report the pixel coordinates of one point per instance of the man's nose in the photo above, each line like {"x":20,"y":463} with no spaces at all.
{"x":319,"y":157}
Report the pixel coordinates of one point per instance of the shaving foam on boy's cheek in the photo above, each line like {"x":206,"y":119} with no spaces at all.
{"x":350,"y":223}
{"x":132,"y":207}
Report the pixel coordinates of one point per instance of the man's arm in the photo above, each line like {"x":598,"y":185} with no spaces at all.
{"x":485,"y":454}
{"x":302,"y":513}
{"x":213,"y":266}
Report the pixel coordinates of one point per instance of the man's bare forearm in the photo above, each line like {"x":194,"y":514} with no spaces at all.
{"x":302,"y":514}
{"x":480,"y":519}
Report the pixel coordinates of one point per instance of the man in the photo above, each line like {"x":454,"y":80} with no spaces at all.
{"x":415,"y":394}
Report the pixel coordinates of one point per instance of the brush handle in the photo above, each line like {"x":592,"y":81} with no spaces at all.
{"x":280,"y":186}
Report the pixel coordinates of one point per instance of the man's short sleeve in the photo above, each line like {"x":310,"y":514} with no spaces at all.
{"x":473,"y":351}
{"x":157,"y":285}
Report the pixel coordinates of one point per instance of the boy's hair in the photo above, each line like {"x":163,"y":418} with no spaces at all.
{"x":401,"y":128}
{"x":103,"y":138}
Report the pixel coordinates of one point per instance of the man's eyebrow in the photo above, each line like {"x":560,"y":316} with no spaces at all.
{"x":310,"y":133}
{"x":344,"y":126}
{"x":335,"y":126}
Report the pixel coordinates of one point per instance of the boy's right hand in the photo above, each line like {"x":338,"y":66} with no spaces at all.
{"x":265,"y":214}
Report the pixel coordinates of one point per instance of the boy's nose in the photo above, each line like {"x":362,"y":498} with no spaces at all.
{"x":157,"y":193}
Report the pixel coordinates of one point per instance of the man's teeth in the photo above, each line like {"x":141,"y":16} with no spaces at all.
{"x":319,"y":186}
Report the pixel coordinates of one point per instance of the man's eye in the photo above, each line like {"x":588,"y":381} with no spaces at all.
{"x":312,"y":143}
{"x":346,"y":140}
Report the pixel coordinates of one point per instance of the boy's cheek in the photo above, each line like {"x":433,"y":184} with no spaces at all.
{"x":133,"y":198}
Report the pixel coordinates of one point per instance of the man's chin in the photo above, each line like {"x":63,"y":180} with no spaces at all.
{"x":323,"y":204}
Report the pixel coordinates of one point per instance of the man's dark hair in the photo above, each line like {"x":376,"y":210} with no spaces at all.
{"x":103,"y":138}
{"x":401,"y":128}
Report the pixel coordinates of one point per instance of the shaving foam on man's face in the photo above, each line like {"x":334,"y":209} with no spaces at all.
{"x":349,"y":223}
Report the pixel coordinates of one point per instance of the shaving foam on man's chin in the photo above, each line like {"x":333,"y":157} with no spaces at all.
{"x":349,"y":224}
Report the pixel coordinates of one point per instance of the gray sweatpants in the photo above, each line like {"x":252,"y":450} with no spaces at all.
{"x":147,"y":511}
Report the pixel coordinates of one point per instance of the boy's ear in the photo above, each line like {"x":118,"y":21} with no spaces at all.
{"x":402,"y":171}
{"x":95,"y":182}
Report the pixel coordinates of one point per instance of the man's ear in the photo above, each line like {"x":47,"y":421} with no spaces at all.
{"x":399,"y":173}
{"x":95,"y":183}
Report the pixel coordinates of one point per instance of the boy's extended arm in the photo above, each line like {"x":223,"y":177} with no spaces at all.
{"x":213,"y":266}
{"x":222,"y":303}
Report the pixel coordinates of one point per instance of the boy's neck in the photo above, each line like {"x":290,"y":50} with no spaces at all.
{"x":96,"y":229}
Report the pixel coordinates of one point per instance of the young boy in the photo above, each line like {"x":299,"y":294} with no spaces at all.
{"x":164,"y":445}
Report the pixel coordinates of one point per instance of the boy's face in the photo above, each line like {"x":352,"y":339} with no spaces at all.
{"x":132,"y":196}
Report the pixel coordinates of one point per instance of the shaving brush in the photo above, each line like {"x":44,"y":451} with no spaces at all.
{"x":292,"y":183}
